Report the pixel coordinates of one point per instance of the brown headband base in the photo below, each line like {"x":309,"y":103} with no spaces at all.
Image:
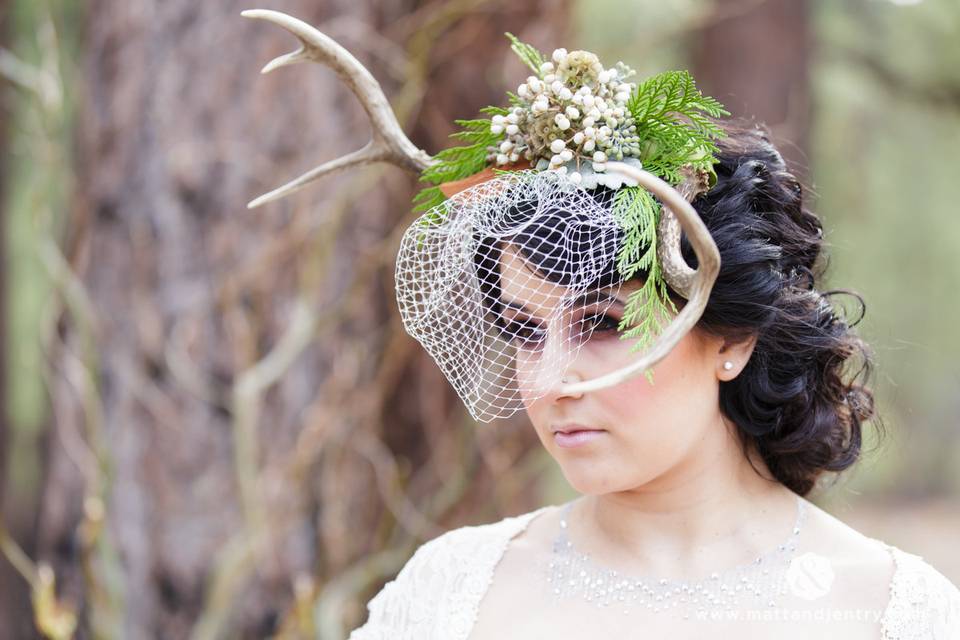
{"x":449,"y":189}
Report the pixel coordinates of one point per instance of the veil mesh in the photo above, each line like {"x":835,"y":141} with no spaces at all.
{"x":504,"y":283}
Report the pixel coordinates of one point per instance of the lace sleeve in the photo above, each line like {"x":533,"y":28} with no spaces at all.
{"x":437,"y":593}
{"x":944,"y":602}
{"x":924,"y":604}
{"x":405,"y":605}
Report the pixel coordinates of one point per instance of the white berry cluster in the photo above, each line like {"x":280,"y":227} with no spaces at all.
{"x":572,"y":117}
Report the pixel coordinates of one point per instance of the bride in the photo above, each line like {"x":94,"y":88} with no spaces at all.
{"x":692,"y":520}
{"x":535,"y":281}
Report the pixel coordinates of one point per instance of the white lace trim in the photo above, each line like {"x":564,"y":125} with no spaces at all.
{"x":438,"y":592}
{"x":924,"y":604}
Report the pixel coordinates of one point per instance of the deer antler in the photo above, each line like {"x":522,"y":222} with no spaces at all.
{"x":388,"y":143}
{"x":698,"y":288}
{"x":678,"y":274}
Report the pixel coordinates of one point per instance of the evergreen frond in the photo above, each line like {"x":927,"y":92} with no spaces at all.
{"x":427,"y":199}
{"x":635,"y":210}
{"x":527,"y":53}
{"x":647,"y":310}
{"x":515,"y":100}
{"x":456,"y":163}
{"x":672,"y":121}
{"x":495,"y":111}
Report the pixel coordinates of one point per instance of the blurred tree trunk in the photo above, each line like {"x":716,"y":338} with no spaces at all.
{"x":16,"y":520}
{"x":754,"y":57}
{"x":13,"y":592}
{"x":240,"y":421}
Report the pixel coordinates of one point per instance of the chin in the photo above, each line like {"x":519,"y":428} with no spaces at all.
{"x":596,"y":476}
{"x":586,"y":479}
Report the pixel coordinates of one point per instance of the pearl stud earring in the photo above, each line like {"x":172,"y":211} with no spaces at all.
{"x":727,"y":366}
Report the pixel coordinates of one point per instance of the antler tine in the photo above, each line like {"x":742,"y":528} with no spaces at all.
{"x":388,"y":143}
{"x":678,"y":274}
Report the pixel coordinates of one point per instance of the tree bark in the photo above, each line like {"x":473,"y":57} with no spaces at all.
{"x":754,"y":57}
{"x":255,"y":425}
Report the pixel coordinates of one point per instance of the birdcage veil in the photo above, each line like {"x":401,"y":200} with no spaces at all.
{"x":448,"y":284}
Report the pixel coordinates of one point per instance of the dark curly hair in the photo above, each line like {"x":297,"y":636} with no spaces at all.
{"x":803,"y":396}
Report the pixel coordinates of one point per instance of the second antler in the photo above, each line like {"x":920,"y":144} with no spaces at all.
{"x":388,"y":144}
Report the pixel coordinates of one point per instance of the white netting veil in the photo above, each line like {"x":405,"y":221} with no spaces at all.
{"x":504,"y":283}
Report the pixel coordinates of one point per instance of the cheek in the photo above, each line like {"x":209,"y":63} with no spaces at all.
{"x":683,"y":392}
{"x":525,"y":365}
{"x":683,"y":386}
{"x":599,"y":357}
{"x":652,"y":426}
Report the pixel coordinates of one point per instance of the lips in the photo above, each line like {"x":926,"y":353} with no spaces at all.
{"x":572,"y":427}
{"x":575,"y":435}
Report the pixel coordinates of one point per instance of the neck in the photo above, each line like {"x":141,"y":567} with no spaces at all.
{"x":710,"y":511}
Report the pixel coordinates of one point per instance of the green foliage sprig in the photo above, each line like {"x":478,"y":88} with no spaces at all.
{"x":459,"y":162}
{"x":672,"y":122}
{"x":528,"y":54}
{"x":648,"y":309}
{"x":465,"y":160}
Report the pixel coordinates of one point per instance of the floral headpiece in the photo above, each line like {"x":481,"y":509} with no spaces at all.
{"x":571,"y":128}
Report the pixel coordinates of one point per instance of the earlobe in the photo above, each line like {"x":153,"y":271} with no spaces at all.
{"x":733,"y":357}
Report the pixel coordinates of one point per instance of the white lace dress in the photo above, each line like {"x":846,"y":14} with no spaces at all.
{"x":437,"y":594}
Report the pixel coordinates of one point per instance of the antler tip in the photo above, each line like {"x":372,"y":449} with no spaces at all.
{"x":256,"y":202}
{"x":281,"y":61}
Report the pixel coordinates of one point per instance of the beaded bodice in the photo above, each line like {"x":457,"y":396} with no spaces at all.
{"x":437,"y":594}
{"x":759,"y":583}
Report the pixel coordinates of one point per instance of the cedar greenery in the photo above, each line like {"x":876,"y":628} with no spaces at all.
{"x":672,"y":121}
{"x":527,"y":53}
{"x":647,"y":310}
{"x":460,"y":162}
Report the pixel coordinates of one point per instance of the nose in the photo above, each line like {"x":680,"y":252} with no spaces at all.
{"x":568,"y":379}
{"x":557,"y":374}
{"x":556,"y":362}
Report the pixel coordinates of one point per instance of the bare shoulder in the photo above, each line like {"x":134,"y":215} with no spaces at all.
{"x":509,"y":596}
{"x":863,"y":567}
{"x":539,"y":531}
{"x":844,"y":545}
{"x":530,"y":543}
{"x":469,"y":548}
{"x":920,"y":601}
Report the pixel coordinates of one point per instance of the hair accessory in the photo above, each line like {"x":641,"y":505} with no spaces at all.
{"x":580,"y":185}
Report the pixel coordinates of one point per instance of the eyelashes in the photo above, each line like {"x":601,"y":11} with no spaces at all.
{"x":530,"y":335}
{"x":599,"y":323}
{"x":524,"y":333}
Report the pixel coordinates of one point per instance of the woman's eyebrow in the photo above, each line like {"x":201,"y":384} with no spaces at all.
{"x":585,"y":300}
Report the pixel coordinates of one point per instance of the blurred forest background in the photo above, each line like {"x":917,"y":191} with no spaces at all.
{"x":213,"y":425}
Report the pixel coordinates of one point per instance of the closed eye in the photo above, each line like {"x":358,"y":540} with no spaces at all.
{"x":524,"y":333}
{"x":597,"y":323}
{"x":530,"y":334}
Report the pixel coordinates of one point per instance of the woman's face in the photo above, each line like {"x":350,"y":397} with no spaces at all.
{"x":632,"y":433}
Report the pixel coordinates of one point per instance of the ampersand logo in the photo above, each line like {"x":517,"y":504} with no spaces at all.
{"x":810,"y":576}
